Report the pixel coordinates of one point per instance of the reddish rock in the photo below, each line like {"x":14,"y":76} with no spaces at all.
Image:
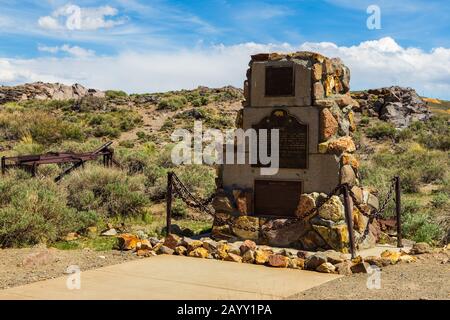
{"x":278,"y":261}
{"x":247,"y":245}
{"x":344,"y":268}
{"x":172,"y":241}
{"x":328,"y":124}
{"x":38,"y":259}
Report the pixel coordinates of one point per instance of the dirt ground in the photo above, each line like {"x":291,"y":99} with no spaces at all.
{"x":427,"y":278}
{"x":22,"y":266}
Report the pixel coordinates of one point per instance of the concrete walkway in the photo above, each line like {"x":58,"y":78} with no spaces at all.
{"x":175,"y":277}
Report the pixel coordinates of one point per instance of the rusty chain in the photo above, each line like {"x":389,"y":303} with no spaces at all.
{"x":188,"y":198}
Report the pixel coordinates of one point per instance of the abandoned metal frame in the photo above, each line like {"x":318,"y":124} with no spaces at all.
{"x":347,"y":208}
{"x":31,"y":162}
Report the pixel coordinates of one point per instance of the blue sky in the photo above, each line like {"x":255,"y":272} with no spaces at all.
{"x":161,"y":45}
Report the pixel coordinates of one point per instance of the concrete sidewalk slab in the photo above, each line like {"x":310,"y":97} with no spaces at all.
{"x":175,"y":277}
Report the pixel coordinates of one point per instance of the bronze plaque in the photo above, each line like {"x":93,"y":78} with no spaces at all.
{"x":279,"y":81}
{"x":276,"y":198}
{"x":293,"y":143}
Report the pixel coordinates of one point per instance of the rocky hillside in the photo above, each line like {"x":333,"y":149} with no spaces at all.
{"x":397,"y":105}
{"x":46,"y":91}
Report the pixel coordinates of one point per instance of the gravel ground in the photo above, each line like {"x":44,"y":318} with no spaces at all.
{"x":22,"y":266}
{"x":428,"y":278}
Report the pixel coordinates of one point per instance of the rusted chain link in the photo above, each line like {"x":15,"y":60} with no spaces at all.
{"x":188,"y":198}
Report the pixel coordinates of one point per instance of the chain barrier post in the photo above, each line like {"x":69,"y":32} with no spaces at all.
{"x":398,"y":211}
{"x":349,"y":219}
{"x":169,"y":197}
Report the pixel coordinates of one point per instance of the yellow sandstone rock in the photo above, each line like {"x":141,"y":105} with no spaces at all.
{"x":261,"y":256}
{"x":199,"y":253}
{"x":393,"y":256}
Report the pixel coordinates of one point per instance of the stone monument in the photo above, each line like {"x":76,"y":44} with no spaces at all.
{"x":306,"y":97}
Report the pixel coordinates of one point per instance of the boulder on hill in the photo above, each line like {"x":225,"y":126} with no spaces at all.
{"x":397,"y":105}
{"x":46,"y":91}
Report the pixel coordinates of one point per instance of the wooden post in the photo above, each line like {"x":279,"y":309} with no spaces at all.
{"x":169,"y":201}
{"x":349,"y":220}
{"x":398,"y":211}
{"x":3,"y":165}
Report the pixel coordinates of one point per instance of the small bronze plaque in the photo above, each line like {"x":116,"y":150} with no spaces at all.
{"x":276,"y":198}
{"x":279,"y":81}
{"x":293,"y":143}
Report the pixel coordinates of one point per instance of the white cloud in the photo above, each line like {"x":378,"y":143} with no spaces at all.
{"x":48,"y":22}
{"x":73,"y":17}
{"x":373,"y":64}
{"x":74,"y":51}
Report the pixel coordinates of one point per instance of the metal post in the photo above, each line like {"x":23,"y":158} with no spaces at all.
{"x":3,"y":165}
{"x":349,"y":219}
{"x":34,"y":169}
{"x":398,"y":211}
{"x":169,"y":201}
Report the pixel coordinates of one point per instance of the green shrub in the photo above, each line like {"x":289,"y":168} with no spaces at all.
{"x":381,"y":130}
{"x":439,"y":200}
{"x":199,"y":179}
{"x":179,"y":208}
{"x":364,"y":120}
{"x":418,"y":223}
{"x":35,"y":210}
{"x":172,"y":103}
{"x":113,"y":94}
{"x":420,"y":228}
{"x":107,"y":191}
{"x":126,"y":144}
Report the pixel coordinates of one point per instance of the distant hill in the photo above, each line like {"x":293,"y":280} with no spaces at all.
{"x":438,"y":106}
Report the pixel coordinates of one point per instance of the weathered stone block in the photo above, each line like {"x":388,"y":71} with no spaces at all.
{"x":348,"y":175}
{"x":246,"y":227}
{"x":328,"y":124}
{"x":306,"y":203}
{"x":318,"y":90}
{"x":332,"y":210}
{"x":317,"y":72}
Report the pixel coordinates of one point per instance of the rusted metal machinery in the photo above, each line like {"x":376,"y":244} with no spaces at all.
{"x":31,"y":162}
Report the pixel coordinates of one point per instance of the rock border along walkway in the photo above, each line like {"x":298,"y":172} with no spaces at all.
{"x":247,"y":251}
